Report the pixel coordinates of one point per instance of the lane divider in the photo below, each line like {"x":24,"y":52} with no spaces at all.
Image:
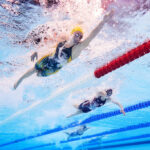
{"x":88,"y":120}
{"x":113,"y":131}
{"x":126,"y":58}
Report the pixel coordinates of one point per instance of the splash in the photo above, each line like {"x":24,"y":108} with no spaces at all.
{"x":61,"y":90}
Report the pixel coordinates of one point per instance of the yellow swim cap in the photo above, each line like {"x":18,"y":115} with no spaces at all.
{"x":77,"y":29}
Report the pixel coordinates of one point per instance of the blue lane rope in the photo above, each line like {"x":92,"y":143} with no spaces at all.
{"x":127,"y":128}
{"x":120,"y":145}
{"x":128,"y":138}
{"x":117,"y":140}
{"x":88,"y":120}
{"x":90,"y":143}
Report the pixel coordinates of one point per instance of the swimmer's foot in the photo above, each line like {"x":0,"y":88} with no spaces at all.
{"x":68,"y":116}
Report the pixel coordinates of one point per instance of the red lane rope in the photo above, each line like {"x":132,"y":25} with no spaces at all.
{"x":124,"y":59}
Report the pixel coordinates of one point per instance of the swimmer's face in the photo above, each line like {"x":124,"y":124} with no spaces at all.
{"x":77,"y":36}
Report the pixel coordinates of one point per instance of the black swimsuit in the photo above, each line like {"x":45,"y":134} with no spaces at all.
{"x":99,"y":102}
{"x":66,"y":53}
{"x":86,"y":106}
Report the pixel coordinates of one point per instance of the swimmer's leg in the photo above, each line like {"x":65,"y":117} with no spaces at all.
{"x":67,"y":133}
{"x":26,"y":75}
{"x":76,"y":106}
{"x":76,"y":113}
{"x":68,"y":138}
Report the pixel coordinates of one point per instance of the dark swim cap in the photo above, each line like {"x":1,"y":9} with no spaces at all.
{"x":109,"y":92}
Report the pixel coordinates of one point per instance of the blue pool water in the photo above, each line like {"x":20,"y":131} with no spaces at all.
{"x":34,"y":115}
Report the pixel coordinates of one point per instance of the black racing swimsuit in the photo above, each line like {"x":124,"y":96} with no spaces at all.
{"x":86,"y":106}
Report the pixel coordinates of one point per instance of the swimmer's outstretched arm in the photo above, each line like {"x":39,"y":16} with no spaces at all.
{"x":26,"y":75}
{"x":78,"y":48}
{"x":121,"y":107}
{"x":97,"y":29}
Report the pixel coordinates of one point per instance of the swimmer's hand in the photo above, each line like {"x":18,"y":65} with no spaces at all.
{"x":108,"y":16}
{"x":16,"y":85}
{"x":34,"y":55}
{"x":122,"y":110}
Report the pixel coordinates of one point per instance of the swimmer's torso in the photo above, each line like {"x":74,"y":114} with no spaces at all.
{"x":98,"y":101}
{"x":51,"y":64}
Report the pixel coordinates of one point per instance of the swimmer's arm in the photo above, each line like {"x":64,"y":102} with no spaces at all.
{"x":36,"y":54}
{"x":121,"y":107}
{"x":78,"y":48}
{"x":67,"y":133}
{"x":63,"y":37}
{"x":101,"y":94}
{"x":93,"y":34}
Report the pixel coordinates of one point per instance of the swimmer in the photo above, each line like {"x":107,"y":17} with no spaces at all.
{"x":78,"y":132}
{"x":66,"y":51}
{"x":101,"y":99}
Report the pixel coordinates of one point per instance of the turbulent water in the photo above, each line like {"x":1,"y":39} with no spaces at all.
{"x":43,"y":103}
